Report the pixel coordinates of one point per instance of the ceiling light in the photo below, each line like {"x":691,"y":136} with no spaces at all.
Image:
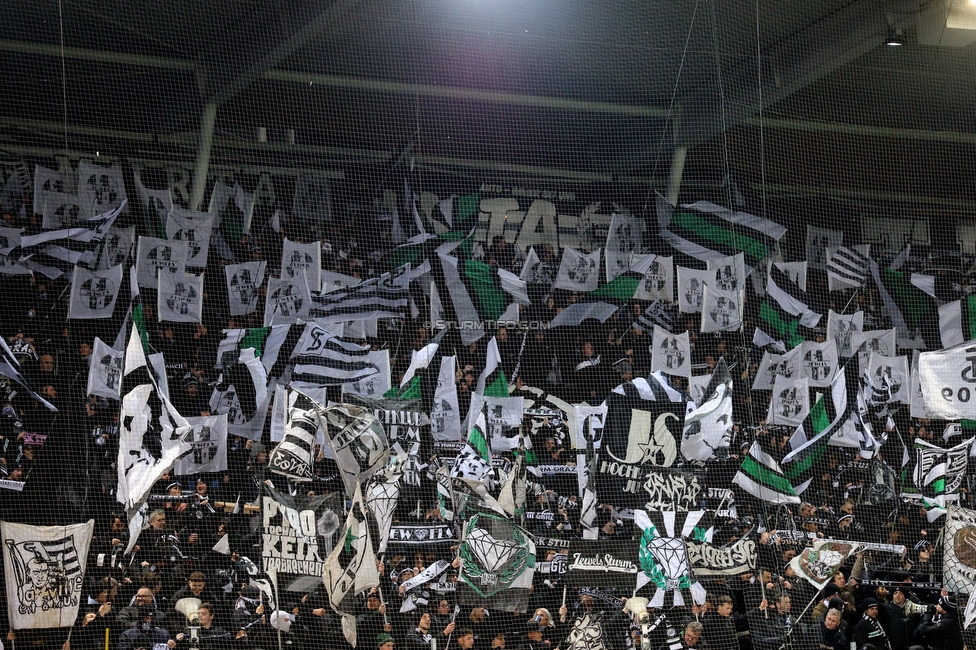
{"x":895,"y":38}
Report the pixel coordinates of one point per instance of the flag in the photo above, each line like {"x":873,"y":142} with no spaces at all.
{"x":708,"y":423}
{"x":473,"y":462}
{"x":116,"y":247}
{"x":843,"y":329}
{"x":497,"y":564}
{"x":761,"y":339}
{"x":155,"y":255}
{"x":381,"y":498}
{"x":100,"y":189}
{"x":298,"y":533}
{"x":534,"y":271}
{"x":813,"y":436}
{"x":888,"y":379}
{"x":511,"y":497}
{"x":657,"y":277}
{"x":10,"y":368}
{"x":244,"y":286}
{"x":624,"y":238}
{"x":795,"y":271}
{"x":351,"y":567}
{"x":242,"y":394}
{"x":208,"y":446}
{"x":879,"y":341}
{"x":946,"y":378}
{"x":959,"y":555}
{"x":818,"y":241}
{"x":789,"y":403}
{"x":761,"y":476}
{"x":578,"y":271}
{"x":466,"y":315}
{"x":374,"y":385}
{"x":818,"y":563}
{"x":785,"y":311}
{"x":720,"y":310}
{"x":492,"y":380}
{"x":577,"y":312}
{"x":332,"y":281}
{"x":45,"y":573}
{"x":147,"y":450}
{"x":47,"y":181}
{"x":848,"y":267}
{"x":287,"y":300}
{"x":606,"y":564}
{"x":721,"y":560}
{"x":194,"y":228}
{"x":671,"y":353}
{"x":656,"y":314}
{"x":294,"y":456}
{"x":910,"y":310}
{"x":158,"y":204}
{"x":939,"y":472}
{"x":445,"y":414}
{"x":312,"y":201}
{"x":322,"y":358}
{"x":268,"y":344}
{"x":665,"y":574}
{"x":302,"y":259}
{"x":730,"y":272}
{"x":104,"y":371}
{"x":819,"y":362}
{"x":691,"y":289}
{"x":9,"y":239}
{"x":957,"y":321}
{"x":588,"y":633}
{"x":774,"y":365}
{"x":707,"y":231}
{"x":61,"y":210}
{"x":180,"y":298}
{"x":93,"y":293}
{"x":85,"y":232}
{"x":358,"y":441}
{"x":384,"y":297}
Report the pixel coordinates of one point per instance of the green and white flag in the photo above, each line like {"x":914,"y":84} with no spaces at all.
{"x":785,"y":310}
{"x":957,"y":321}
{"x":497,"y":564}
{"x":939,"y":472}
{"x":762,"y":477}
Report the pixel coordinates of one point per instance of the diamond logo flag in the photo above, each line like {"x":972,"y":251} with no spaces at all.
{"x":158,"y":255}
{"x":104,"y":371}
{"x":288,"y":299}
{"x":244,"y":286}
{"x":194,"y":228}
{"x":960,"y":550}
{"x":93,"y":293}
{"x":180,"y":298}
{"x":691,"y":289}
{"x":663,"y":559}
{"x":497,"y":564}
{"x":298,"y":259}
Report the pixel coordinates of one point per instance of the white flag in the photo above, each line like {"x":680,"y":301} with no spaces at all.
{"x":730,"y":272}
{"x":155,"y":255}
{"x":159,"y":203}
{"x":818,"y":241}
{"x":208,"y":446}
{"x":297,"y":259}
{"x":194,"y":228}
{"x":790,"y":402}
{"x":795,"y":271}
{"x":720,"y":312}
{"x":93,"y":293}
{"x":534,"y":269}
{"x":61,"y":210}
{"x":819,"y":362}
{"x":244,"y":286}
{"x":445,"y":414}
{"x":623,"y":240}
{"x":288,"y":299}
{"x":671,"y":353}
{"x":578,"y":272}
{"x":100,"y":188}
{"x":47,"y":181}
{"x":848,"y":266}
{"x":375,"y":385}
{"x":180,"y":298}
{"x":948,"y":381}
{"x":880,"y":341}
{"x":657,"y":281}
{"x":104,"y":371}
{"x":332,"y":281}
{"x":116,"y":247}
{"x":691,"y":289}
{"x":775,"y":365}
{"x":889,"y":378}
{"x":45,"y":573}
{"x":843,"y":328}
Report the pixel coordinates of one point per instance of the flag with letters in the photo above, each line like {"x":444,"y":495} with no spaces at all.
{"x":244,"y":286}
{"x":194,"y":228}
{"x":156,"y":256}
{"x":180,"y":298}
{"x":104,"y":371}
{"x":94,"y":293}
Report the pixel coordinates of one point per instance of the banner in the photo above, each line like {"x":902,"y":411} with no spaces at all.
{"x":818,"y":563}
{"x":104,"y":371}
{"x":294,"y":456}
{"x":414,"y":535}
{"x":154,"y":255}
{"x":180,"y":298}
{"x":948,"y":381}
{"x":302,"y":259}
{"x":665,"y":573}
{"x":730,"y":560}
{"x":497,"y":564}
{"x":93,"y":293}
{"x":603,"y":563}
{"x":208,"y":446}
{"x":45,"y":573}
{"x":244,"y":286}
{"x":960,"y":550}
{"x":298,"y":533}
{"x":194,"y":228}
{"x":445,"y":414}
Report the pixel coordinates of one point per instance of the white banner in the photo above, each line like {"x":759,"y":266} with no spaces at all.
{"x":104,"y":371}
{"x":158,"y":254}
{"x":45,"y":573}
{"x":445,"y":415}
{"x":208,"y":446}
{"x":194,"y":228}
{"x":298,"y":259}
{"x":790,"y":402}
{"x":288,"y":299}
{"x":720,"y":312}
{"x":948,"y":382}
{"x":244,"y":286}
{"x":691,"y":289}
{"x":180,"y":298}
{"x":93,"y":293}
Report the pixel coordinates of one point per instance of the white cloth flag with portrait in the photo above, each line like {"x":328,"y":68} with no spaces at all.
{"x":287,"y":300}
{"x":93,"y":293}
{"x":691,"y":289}
{"x":657,"y":277}
{"x":100,"y":189}
{"x":159,"y":256}
{"x":297,"y":259}
{"x":194,"y":228}
{"x":208,"y":446}
{"x":671,"y":353}
{"x":843,"y":329}
{"x":180,"y":298}
{"x":578,"y":272}
{"x":104,"y":371}
{"x":45,"y":573}
{"x":720,"y":311}
{"x":244,"y":286}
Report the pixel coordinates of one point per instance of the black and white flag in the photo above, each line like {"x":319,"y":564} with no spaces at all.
{"x":720,"y":310}
{"x":331,"y":281}
{"x":61,"y":210}
{"x":818,"y":241}
{"x":47,"y":181}
{"x":708,"y":421}
{"x":374,"y":385}
{"x":795,"y":271}
{"x":194,"y":228}
{"x":104,"y":371}
{"x":288,"y":299}
{"x":445,"y":414}
{"x":578,"y":272}
{"x":322,"y":358}
{"x":671,"y":353}
{"x":382,"y":496}
{"x":775,"y":365}
{"x":887,"y":380}
{"x":158,"y":203}
{"x":624,"y":238}
{"x":45,"y":573}
{"x":312,"y":202}
{"x":294,"y":456}
{"x":691,"y":289}
{"x":116,"y":247}
{"x":385,"y":297}
{"x":880,"y":341}
{"x":848,"y":266}
{"x":208,"y":446}
{"x":730,"y":272}
{"x":180,"y":298}
{"x":242,"y":394}
{"x":790,"y":402}
{"x":657,"y":277}
{"x":100,"y":189}
{"x":819,"y":362}
{"x":244,"y":286}
{"x":358,"y":441}
{"x":159,"y":256}
{"x":534,"y":270}
{"x":665,"y":572}
{"x":93,"y":293}
{"x":843,"y":329}
{"x":83,"y":232}
{"x":298,"y":259}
